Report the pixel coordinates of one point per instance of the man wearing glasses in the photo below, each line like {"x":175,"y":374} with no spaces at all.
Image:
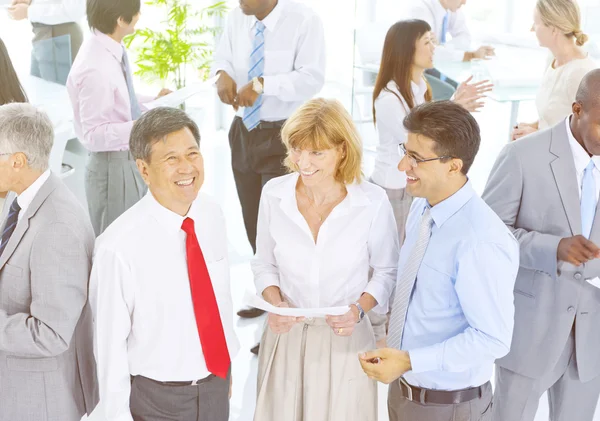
{"x":452,"y":313}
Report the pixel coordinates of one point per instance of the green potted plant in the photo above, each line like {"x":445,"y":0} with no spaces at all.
{"x":183,"y":42}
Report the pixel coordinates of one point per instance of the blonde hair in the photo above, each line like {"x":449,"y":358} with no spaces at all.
{"x":563,"y":15}
{"x":322,"y":124}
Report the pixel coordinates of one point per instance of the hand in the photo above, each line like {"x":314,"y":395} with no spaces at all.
{"x":577,"y":250}
{"x":469,"y":95}
{"x":20,"y":1}
{"x":230,"y":385}
{"x":246,"y":97}
{"x":227,"y":89}
{"x":282,"y":324}
{"x":344,"y":325}
{"x":385,"y":365}
{"x":164,"y":92}
{"x":484,"y":52}
{"x":522,"y":130}
{"x":19,"y":11}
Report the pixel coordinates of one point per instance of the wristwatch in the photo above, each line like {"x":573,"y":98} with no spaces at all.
{"x":361,"y":312}
{"x":257,"y":86}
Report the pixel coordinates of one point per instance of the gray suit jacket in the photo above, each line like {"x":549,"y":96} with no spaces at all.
{"x":533,"y":188}
{"x":47,"y":366}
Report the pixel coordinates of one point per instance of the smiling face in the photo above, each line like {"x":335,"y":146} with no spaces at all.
{"x":316,"y":167}
{"x":175,"y":171}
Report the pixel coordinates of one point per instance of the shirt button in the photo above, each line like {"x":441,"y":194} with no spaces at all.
{"x":571,"y":309}
{"x":577,"y":276}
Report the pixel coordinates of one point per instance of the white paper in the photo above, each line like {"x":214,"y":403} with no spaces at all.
{"x":175,"y":98}
{"x":255,"y":301}
{"x":595,"y":282}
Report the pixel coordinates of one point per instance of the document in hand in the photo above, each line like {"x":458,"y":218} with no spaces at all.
{"x":255,"y":301}
{"x":178,"y":97}
{"x":595,"y":282}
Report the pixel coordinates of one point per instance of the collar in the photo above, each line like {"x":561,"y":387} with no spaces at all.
{"x":439,"y":9}
{"x":581,"y":157}
{"x":272,"y":18}
{"x":447,"y":208}
{"x":113,"y":47}
{"x":166,"y":217}
{"x":26,"y":197}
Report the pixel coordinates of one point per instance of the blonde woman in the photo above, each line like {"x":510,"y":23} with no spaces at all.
{"x":557,"y":26}
{"x":321,"y":228}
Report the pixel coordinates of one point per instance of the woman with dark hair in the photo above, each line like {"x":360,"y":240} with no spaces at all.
{"x":400,"y":86}
{"x":10,"y":87}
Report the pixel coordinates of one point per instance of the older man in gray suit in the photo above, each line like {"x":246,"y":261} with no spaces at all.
{"x":47,"y":368}
{"x":545,"y":188}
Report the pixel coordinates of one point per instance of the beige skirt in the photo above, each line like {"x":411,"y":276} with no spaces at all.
{"x":311,"y":374}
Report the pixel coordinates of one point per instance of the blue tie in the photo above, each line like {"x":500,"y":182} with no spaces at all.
{"x":257,"y":67}
{"x":588,"y":200}
{"x":11,"y":223}
{"x":135,"y":106}
{"x":444,"y":28}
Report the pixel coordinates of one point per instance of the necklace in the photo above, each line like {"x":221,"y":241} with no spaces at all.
{"x":311,"y":203}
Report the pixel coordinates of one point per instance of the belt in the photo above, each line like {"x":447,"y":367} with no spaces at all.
{"x":265,"y":125}
{"x":185,"y":383}
{"x":440,"y":397}
{"x":113,"y":155}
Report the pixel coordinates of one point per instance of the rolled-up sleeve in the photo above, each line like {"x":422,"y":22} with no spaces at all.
{"x":485,"y":280}
{"x":264,"y":264}
{"x":383,"y":255}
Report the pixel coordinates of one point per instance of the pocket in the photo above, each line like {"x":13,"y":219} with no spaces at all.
{"x":277,"y":62}
{"x":439,"y":287}
{"x":32,"y":364}
{"x":524,"y":294}
{"x":11,"y":270}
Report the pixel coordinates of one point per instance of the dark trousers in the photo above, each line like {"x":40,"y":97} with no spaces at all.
{"x":256,"y":157}
{"x":156,"y":401}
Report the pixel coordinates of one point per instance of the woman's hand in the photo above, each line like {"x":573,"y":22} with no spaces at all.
{"x":523,"y":129}
{"x":469,"y":95}
{"x":282,"y":324}
{"x":343,"y":325}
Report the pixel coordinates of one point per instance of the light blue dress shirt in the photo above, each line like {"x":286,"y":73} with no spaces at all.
{"x":461,"y":312}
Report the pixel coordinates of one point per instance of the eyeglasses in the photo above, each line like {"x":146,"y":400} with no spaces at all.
{"x":414,"y":162}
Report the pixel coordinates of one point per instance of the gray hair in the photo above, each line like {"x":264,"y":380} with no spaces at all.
{"x":156,"y":125}
{"x":24,"y":128}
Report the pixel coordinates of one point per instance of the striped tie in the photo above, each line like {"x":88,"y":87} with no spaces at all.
{"x":11,"y":223}
{"x":406,"y":282}
{"x":133,"y":101}
{"x":257,"y":67}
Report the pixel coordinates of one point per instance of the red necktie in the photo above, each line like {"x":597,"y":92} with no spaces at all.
{"x":208,"y":319}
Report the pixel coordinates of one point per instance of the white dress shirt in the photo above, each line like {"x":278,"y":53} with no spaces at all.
{"x":390,"y":112}
{"x":432,"y":12}
{"x":55,"y":12}
{"x":26,"y":197}
{"x":141,"y":301}
{"x":558,"y":89}
{"x":294,"y":56}
{"x":582,"y":159}
{"x":359,"y":233}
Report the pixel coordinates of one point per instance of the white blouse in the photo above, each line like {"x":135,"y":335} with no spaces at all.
{"x":360,"y":233}
{"x":558,"y":89}
{"x":390,"y":112}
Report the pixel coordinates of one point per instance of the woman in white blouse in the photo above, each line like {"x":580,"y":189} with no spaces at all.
{"x":557,"y":26}
{"x":407,"y":52}
{"x":320,"y":231}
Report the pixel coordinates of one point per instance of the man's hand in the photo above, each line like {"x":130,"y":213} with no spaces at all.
{"x":20,"y":1}
{"x":227,"y":89}
{"x":385,"y":365}
{"x":19,"y":11}
{"x":469,"y":95}
{"x":282,"y":324}
{"x":522,"y":130}
{"x":163,"y":92}
{"x":577,"y":250}
{"x":246,"y":96}
{"x":344,"y":325}
{"x":482,"y":52}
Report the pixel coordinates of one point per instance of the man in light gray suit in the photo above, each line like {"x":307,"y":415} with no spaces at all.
{"x":545,"y":188}
{"x":47,"y":368}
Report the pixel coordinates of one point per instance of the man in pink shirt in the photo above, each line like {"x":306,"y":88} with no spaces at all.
{"x":105,"y":107}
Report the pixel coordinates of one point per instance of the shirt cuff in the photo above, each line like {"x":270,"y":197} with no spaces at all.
{"x":266,"y":281}
{"x":427,"y":359}
{"x":272,"y":85}
{"x":221,"y":67}
{"x":379,"y":293}
{"x":548,"y":249}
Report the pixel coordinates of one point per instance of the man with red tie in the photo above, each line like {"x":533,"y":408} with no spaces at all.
{"x":160,"y":289}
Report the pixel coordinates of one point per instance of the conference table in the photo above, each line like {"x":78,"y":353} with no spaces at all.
{"x":516,"y":73}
